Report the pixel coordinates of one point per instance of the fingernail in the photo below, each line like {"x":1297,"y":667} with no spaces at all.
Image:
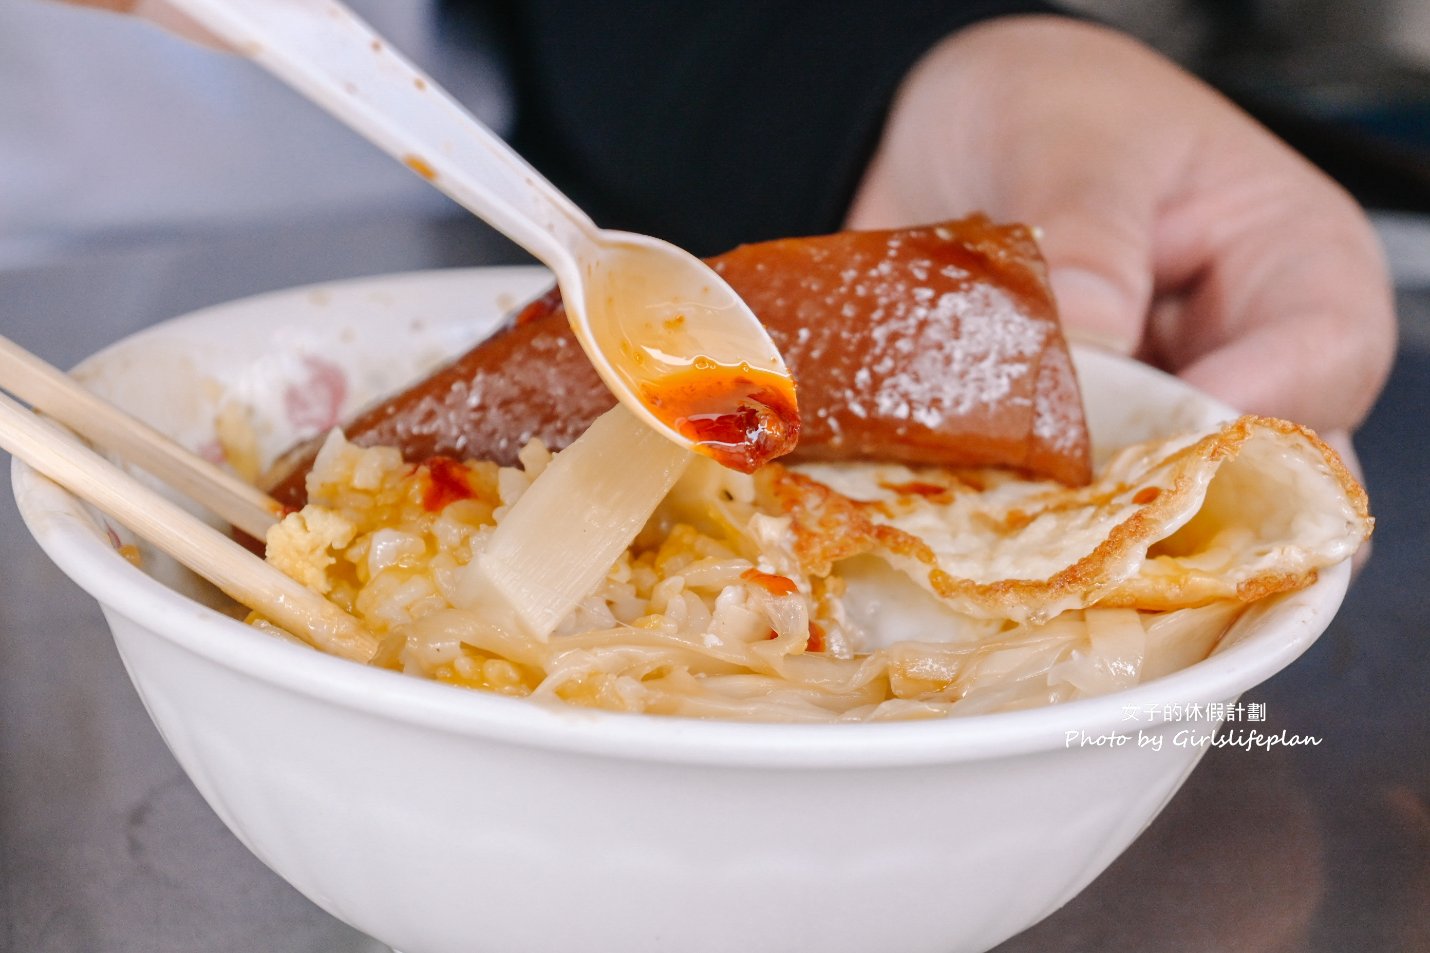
{"x":1094,"y":311}
{"x":1104,"y":342}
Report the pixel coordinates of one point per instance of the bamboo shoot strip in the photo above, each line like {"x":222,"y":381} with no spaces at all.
{"x":49,"y":389}
{"x":569,"y":527}
{"x":182,"y":535}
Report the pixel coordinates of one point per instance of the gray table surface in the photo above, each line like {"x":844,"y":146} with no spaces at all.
{"x":105,"y":845}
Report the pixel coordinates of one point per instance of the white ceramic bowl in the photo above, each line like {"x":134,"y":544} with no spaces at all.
{"x":440,"y":820}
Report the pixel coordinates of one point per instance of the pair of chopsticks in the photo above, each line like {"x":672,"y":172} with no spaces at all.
{"x":152,"y":516}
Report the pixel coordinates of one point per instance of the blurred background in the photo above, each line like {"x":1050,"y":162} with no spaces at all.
{"x":114,"y":132}
{"x":219,"y":145}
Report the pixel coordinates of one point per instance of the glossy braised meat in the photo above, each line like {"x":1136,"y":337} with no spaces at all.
{"x":931,"y":345}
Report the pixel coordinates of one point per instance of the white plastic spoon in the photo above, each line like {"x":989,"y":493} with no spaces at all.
{"x":669,"y":337}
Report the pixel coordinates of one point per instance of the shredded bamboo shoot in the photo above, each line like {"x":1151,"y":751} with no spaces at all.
{"x":564,"y":533}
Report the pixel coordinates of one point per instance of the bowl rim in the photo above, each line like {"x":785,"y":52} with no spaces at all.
{"x":68,"y":533}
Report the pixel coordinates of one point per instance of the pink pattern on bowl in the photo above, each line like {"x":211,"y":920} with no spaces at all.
{"x":314,"y":403}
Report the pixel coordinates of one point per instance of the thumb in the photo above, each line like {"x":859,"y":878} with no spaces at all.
{"x":1098,"y":246}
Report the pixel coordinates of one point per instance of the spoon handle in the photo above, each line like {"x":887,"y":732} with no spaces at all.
{"x":323,"y":50}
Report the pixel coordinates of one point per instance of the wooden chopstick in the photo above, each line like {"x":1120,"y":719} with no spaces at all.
{"x":49,"y":389}
{"x":182,"y":535}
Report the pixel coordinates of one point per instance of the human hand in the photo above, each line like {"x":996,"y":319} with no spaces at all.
{"x":1175,"y":227}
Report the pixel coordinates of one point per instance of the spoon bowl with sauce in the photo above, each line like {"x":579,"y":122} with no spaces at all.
{"x":671,"y":332}
{"x":667,"y":335}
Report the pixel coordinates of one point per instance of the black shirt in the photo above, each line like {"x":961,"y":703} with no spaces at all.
{"x":707,"y":123}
